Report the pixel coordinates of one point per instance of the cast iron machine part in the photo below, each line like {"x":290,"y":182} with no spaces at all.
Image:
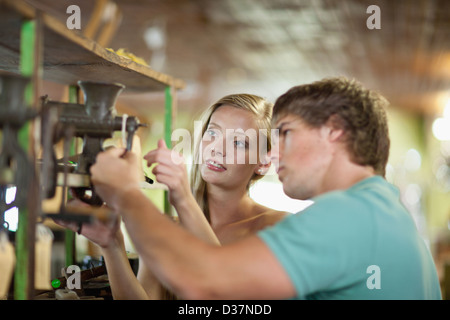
{"x":94,"y":122}
{"x":16,"y":168}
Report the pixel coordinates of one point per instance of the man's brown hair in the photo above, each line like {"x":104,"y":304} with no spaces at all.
{"x":349,"y":106}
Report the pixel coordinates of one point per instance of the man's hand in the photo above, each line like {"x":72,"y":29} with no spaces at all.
{"x":114,"y":173}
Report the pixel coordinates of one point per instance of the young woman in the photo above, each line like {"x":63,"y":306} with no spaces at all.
{"x":220,"y":182}
{"x":218,"y":208}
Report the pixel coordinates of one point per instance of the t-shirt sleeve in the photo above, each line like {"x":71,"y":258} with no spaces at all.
{"x":317,"y":246}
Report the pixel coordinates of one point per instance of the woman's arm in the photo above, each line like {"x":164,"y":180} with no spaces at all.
{"x":171,"y":171}
{"x":124,"y":284}
{"x":109,"y":238}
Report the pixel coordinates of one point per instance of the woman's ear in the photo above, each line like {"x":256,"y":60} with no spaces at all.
{"x":262,"y":168}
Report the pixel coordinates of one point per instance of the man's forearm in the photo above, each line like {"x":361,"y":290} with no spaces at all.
{"x":193,"y":269}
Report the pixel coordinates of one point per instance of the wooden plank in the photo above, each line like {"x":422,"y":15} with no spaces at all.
{"x":69,"y":56}
{"x":96,"y":17}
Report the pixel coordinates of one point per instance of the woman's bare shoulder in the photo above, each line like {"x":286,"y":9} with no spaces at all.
{"x":276,"y":215}
{"x":270,"y":217}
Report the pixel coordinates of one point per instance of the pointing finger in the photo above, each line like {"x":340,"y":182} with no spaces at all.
{"x":162,"y":144}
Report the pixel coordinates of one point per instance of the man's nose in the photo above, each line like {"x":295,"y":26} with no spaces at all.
{"x":274,"y":155}
{"x":274,"y":152}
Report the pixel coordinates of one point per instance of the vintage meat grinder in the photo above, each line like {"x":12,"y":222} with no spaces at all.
{"x":16,"y":168}
{"x":94,"y":122}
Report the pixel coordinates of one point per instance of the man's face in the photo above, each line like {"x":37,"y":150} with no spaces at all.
{"x":303,"y":159}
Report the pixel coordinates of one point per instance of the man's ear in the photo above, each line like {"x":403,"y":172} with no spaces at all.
{"x":333,"y":129}
{"x":336,"y":134}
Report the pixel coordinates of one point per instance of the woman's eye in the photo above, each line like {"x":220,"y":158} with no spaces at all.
{"x":284,"y":132}
{"x":240,"y":144}
{"x":210,"y":133}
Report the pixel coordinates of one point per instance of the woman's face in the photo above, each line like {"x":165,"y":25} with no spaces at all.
{"x":230,"y":148}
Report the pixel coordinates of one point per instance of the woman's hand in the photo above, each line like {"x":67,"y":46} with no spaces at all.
{"x":171,"y":171}
{"x":103,"y":234}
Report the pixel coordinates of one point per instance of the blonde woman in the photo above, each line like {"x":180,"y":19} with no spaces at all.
{"x":218,"y":209}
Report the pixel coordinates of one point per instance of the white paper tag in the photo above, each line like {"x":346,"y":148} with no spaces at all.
{"x":43,"y":256}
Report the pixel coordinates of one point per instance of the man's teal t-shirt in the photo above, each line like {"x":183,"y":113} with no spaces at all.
{"x":359,"y":243}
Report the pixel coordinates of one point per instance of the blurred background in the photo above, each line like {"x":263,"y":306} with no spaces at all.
{"x":264,"y":47}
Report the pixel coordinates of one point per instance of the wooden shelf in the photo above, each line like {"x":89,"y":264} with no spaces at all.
{"x":69,"y":56}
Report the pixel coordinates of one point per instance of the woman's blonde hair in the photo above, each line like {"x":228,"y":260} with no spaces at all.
{"x":259,"y":107}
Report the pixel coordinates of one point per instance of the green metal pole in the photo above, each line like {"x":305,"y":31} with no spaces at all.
{"x":23,"y":276}
{"x":168,"y":113}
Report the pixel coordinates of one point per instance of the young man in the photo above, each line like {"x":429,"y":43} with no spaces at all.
{"x":355,"y":242}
